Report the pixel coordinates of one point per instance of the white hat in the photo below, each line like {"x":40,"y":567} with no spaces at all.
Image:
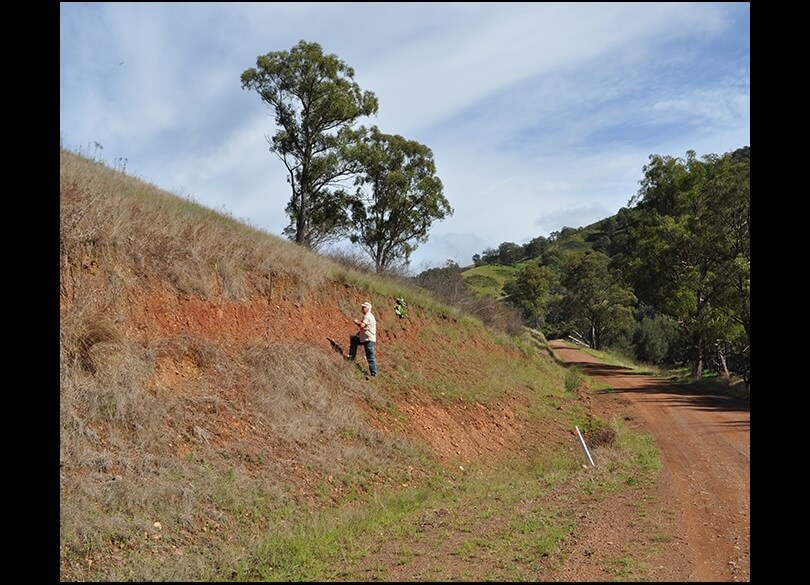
{"x":366,"y":304}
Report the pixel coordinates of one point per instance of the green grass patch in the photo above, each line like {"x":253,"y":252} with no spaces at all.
{"x":574,"y":378}
{"x":710,"y":383}
{"x":303,"y":550}
{"x":613,"y":359}
{"x":628,"y":569}
{"x":488,"y":280}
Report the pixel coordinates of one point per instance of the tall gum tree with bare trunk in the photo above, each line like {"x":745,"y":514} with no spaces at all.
{"x":316,"y":104}
{"x":688,"y":249}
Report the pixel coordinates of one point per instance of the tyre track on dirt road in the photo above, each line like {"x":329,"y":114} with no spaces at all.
{"x":704,"y":484}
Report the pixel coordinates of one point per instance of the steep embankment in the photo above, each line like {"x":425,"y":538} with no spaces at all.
{"x":205,"y":403}
{"x":415,"y":355}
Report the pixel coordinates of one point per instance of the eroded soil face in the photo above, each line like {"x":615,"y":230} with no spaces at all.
{"x":324,"y":319}
{"x":694,"y":526}
{"x":697,"y":524}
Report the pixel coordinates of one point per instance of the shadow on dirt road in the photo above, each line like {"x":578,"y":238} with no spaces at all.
{"x":704,"y":444}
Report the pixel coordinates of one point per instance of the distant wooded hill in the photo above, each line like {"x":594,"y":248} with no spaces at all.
{"x":666,"y":280}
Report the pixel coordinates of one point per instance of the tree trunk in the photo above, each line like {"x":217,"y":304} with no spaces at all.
{"x":697,"y":364}
{"x":301,"y":221}
{"x":722,"y":356}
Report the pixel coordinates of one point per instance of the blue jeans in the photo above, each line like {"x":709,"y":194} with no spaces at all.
{"x":371,"y":358}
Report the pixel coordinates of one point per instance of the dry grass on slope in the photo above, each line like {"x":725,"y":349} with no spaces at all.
{"x":203,"y":407}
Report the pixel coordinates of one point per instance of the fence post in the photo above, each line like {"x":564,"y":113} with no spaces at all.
{"x":584,"y":447}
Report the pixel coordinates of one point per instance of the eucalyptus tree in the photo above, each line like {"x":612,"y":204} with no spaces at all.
{"x":597,"y":296}
{"x":536,"y":247}
{"x":728,"y":190}
{"x":510,"y":253}
{"x":398,"y":197}
{"x":316,"y":103}
{"x":687,"y":247}
{"x":530,"y":292}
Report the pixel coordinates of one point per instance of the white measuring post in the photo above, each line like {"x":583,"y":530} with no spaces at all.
{"x":584,"y":447}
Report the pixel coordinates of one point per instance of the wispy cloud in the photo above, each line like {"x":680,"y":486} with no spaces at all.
{"x":539,"y":115}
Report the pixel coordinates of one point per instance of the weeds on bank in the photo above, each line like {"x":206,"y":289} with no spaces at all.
{"x":495,"y":519}
{"x":574,"y":378}
{"x":309,"y":549}
{"x":345,"y":544}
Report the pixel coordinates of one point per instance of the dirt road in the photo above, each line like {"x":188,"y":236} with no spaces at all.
{"x":703,"y":499}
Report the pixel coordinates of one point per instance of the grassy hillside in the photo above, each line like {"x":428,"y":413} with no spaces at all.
{"x":488,"y":280}
{"x":211,"y":430}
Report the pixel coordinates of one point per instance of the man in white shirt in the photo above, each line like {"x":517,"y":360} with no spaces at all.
{"x":367,"y":337}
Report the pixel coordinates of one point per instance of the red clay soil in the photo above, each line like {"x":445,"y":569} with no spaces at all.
{"x":703,"y":499}
{"x":696,"y":527}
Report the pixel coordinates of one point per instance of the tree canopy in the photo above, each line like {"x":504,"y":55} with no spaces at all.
{"x":316,"y":104}
{"x":687,"y":247}
{"x":398,"y":196}
{"x":531,"y":292}
{"x":682,"y":246}
{"x":596,"y":296}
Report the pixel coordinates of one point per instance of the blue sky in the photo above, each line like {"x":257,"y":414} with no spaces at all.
{"x":539,"y":115}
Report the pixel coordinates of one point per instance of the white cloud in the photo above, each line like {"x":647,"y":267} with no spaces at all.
{"x":539,"y":115}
